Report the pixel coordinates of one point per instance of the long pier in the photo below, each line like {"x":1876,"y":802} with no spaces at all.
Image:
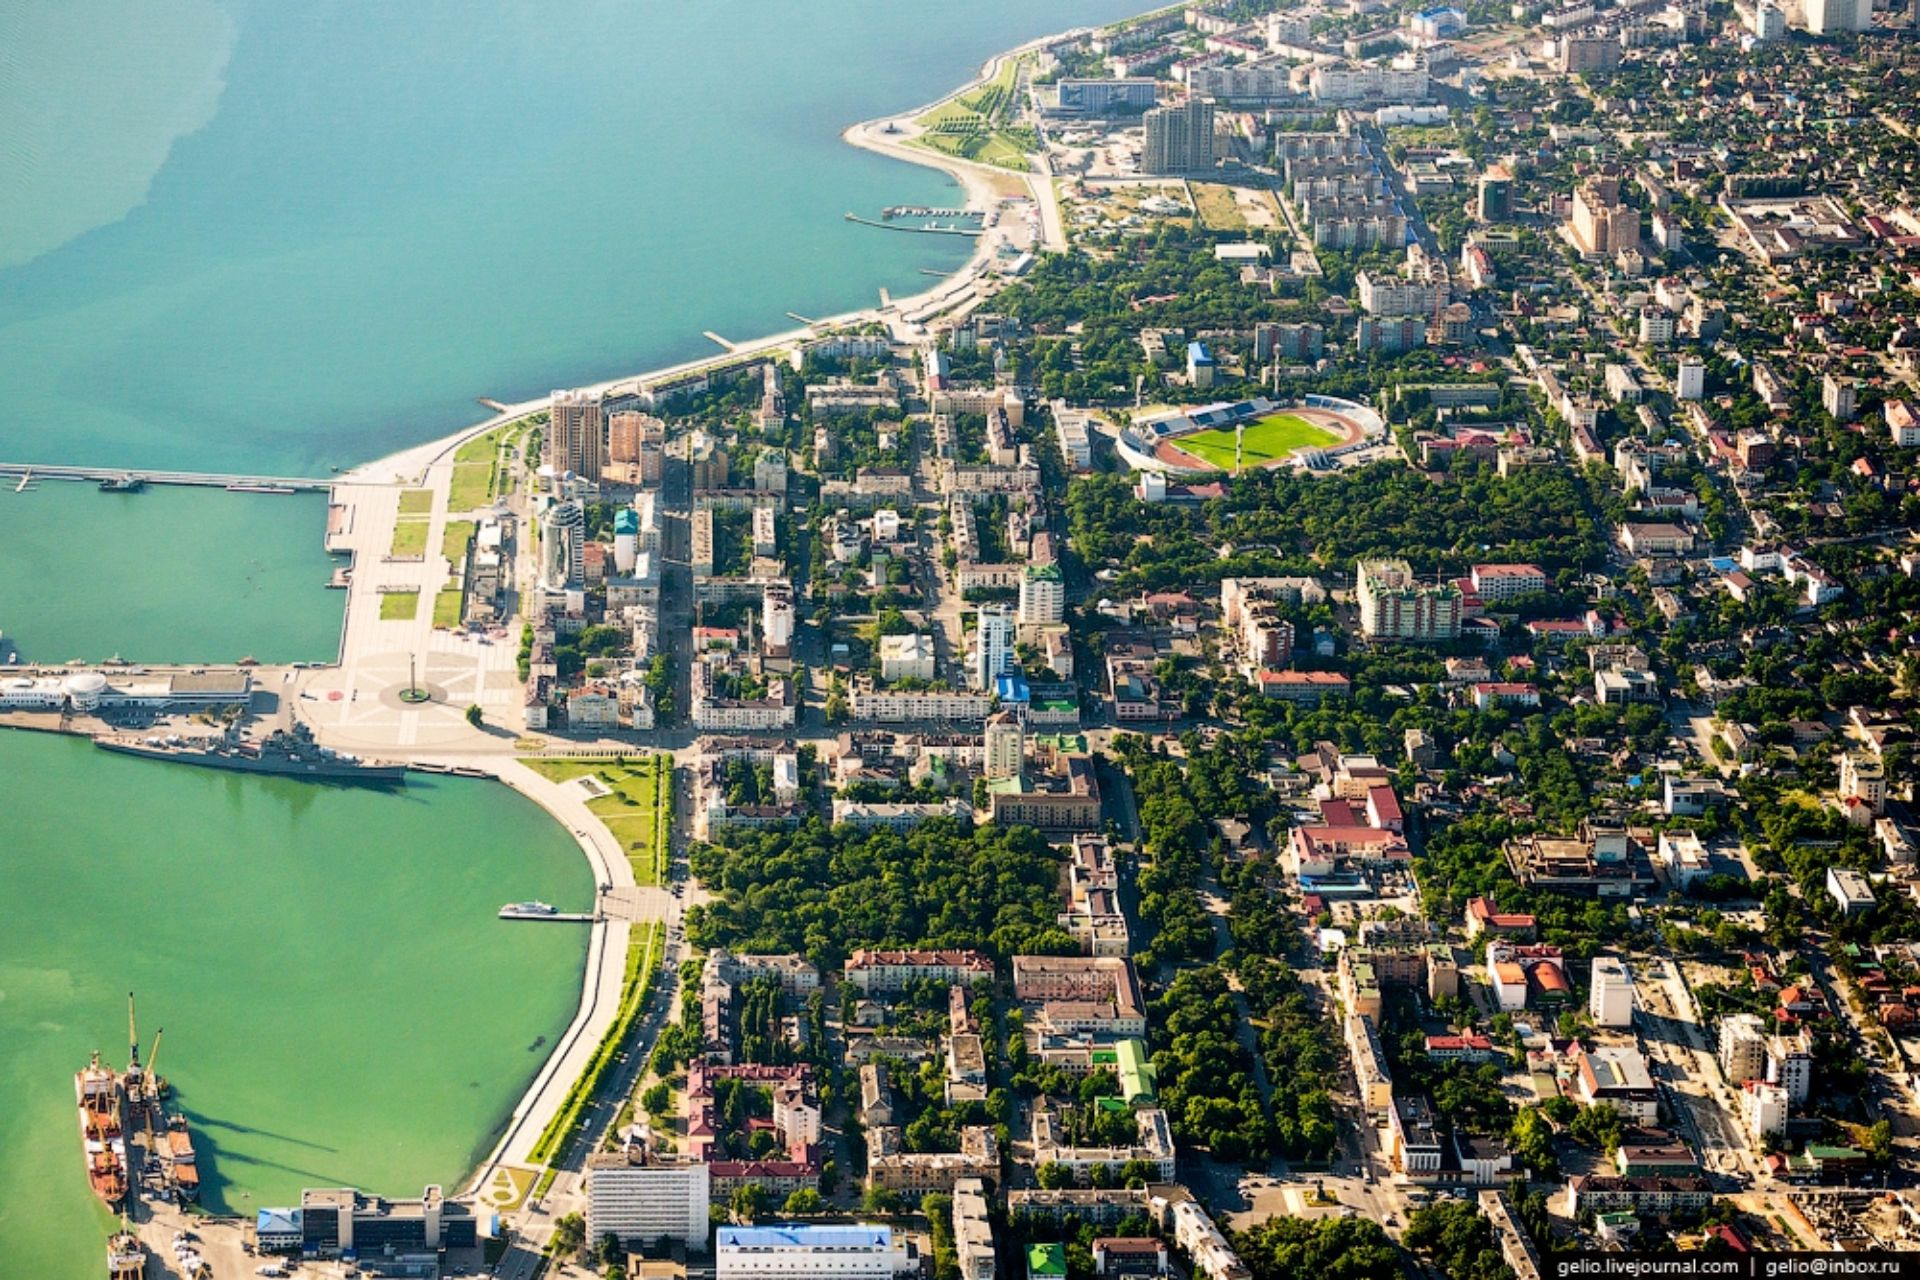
{"x":201,"y":479}
{"x":973,"y":232}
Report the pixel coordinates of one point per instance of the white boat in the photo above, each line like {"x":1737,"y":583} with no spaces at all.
{"x":522,"y":909}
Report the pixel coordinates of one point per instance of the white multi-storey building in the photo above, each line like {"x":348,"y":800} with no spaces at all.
{"x":993,"y":645}
{"x":1611,"y":997}
{"x":636,"y":1199}
{"x":1043,"y":595}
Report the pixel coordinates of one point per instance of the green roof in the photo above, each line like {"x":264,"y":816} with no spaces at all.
{"x":1046,"y":1260}
{"x":1818,"y":1152}
{"x":1138,"y":1077}
{"x":1044,"y":572}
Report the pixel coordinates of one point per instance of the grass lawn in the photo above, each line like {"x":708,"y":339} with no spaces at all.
{"x":453,"y":540}
{"x":507,"y":1189}
{"x":476,"y":470}
{"x":416,"y":502}
{"x":410,"y":536}
{"x":635,"y":813}
{"x":1267,"y":439}
{"x":399,"y":606}
{"x":1219,"y":211}
{"x":472,"y":485}
{"x":446,"y":607}
{"x":998,"y":148}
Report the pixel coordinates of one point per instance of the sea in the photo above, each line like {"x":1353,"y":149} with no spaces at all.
{"x":280,"y":239}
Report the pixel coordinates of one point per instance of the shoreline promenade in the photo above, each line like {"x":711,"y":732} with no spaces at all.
{"x":353,"y":705}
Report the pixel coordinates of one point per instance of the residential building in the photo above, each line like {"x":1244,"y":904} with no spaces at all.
{"x":883,"y":972}
{"x":576,"y":434}
{"x":639,"y":1198}
{"x":1610,"y":998}
{"x":1496,"y":582}
{"x":1043,"y":595}
{"x":1863,"y":783}
{"x":1840,"y":397}
{"x":1394,"y":606}
{"x":972,"y":1230}
{"x":1838,"y":17}
{"x":1602,"y":225}
{"x":1153,"y":1145}
{"x":1580,"y":54}
{"x":1618,"y":1076}
{"x":1179,"y":139}
{"x":905,"y":657}
{"x":1371,"y":82}
{"x":1690,"y":379}
{"x":993,"y":645}
{"x":1850,"y":891}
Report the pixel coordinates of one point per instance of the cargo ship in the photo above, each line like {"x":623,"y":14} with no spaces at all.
{"x":126,"y":1257}
{"x":291,"y":752}
{"x":101,"y":1097}
{"x":177,"y":1159}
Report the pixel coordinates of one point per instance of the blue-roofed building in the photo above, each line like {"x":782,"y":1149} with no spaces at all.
{"x":1013,"y":691}
{"x":784,"y":1251}
{"x":277,"y":1231}
{"x":1441,"y":23}
{"x":1200,"y":365}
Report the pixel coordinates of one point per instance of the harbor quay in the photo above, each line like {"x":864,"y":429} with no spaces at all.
{"x":419,"y":685}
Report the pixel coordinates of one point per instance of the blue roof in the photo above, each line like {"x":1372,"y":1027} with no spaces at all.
{"x":277,"y":1222}
{"x":1013,"y":688}
{"x":793,"y":1235}
{"x":626,"y":520}
{"x":1197,"y":350}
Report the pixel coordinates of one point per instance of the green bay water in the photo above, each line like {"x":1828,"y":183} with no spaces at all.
{"x":167,"y":575}
{"x":341,"y":1005}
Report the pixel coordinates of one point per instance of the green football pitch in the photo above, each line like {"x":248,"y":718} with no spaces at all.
{"x":1267,"y":440}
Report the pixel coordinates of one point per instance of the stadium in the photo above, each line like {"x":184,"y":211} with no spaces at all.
{"x":1311,"y":431}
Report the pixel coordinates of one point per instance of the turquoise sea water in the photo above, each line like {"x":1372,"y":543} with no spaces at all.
{"x":242,"y":235}
{"x":297,"y":236}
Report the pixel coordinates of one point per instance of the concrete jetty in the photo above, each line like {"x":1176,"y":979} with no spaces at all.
{"x":200,"y":479}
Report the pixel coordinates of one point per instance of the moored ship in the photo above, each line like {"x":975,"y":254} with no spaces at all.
{"x":101,"y":1097}
{"x":291,"y":752}
{"x":126,"y":1257}
{"x":177,"y":1159}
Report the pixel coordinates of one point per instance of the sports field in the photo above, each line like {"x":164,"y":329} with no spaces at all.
{"x":1267,"y":441}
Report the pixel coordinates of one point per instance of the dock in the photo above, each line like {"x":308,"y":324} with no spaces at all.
{"x":557,"y":917}
{"x":928,"y":230}
{"x":717,"y":338}
{"x":200,"y":479}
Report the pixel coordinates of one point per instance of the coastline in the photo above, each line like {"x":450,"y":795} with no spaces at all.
{"x":981,"y":186}
{"x":598,"y":993}
{"x":983,"y":189}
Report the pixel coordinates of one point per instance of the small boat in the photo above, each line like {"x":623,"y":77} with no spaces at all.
{"x":522,"y":909}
